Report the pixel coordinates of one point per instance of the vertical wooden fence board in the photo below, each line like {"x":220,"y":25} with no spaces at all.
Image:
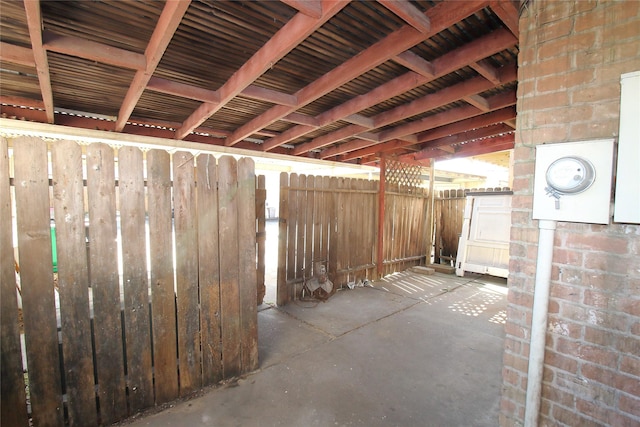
{"x":301,"y":200}
{"x":332,"y":212}
{"x":229,"y":286}
{"x":317,"y":220}
{"x":325,"y":219}
{"x":36,"y":274}
{"x":308,"y":251}
{"x":163,"y":306}
{"x":247,"y":265}
{"x":282,"y":292}
{"x":73,"y":282}
{"x":291,"y":235}
{"x":209,"y":268}
{"x":103,"y":267}
{"x":261,"y":198}
{"x":134,"y":270}
{"x":13,"y":407}
{"x":186,"y":245}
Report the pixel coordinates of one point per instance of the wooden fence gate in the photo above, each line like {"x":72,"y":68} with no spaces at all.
{"x":155,"y":291}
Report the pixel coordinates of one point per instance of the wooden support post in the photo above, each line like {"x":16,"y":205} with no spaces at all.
{"x":381,"y":190}
{"x":431,"y":211}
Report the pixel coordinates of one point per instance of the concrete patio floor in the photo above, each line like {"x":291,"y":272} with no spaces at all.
{"x":410,"y":350}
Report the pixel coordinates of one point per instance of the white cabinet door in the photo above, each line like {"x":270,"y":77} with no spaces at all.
{"x":484,"y":242}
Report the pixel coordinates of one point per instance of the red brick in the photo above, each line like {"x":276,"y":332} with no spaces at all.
{"x":564,"y":115}
{"x":611,"y":72}
{"x":516,"y":362}
{"x":561,"y":361}
{"x":630,"y":364}
{"x":594,"y":409}
{"x":635,"y":329}
{"x":553,"y":12}
{"x":599,"y":242}
{"x":621,"y":382}
{"x":567,"y":293}
{"x":557,"y":65}
{"x":556,"y":395}
{"x":630,"y":405}
{"x":599,"y":336}
{"x":560,"y":326}
{"x":594,"y":129}
{"x":545,"y":134}
{"x":561,"y":46}
{"x":601,"y":355}
{"x":588,"y":21}
{"x":564,"y":256}
{"x":621,"y":420}
{"x":511,"y":376}
{"x":599,"y":93}
{"x":611,"y":264}
{"x":629,"y":306}
{"x":628,"y":344}
{"x":596,"y":299}
{"x":615,"y":34}
{"x":570,"y":418}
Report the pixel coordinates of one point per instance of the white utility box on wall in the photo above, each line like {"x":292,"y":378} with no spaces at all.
{"x":627,"y":205}
{"x":573,"y":181}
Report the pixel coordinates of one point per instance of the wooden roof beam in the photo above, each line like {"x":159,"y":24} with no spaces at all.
{"x":442,"y":16}
{"x":426,"y":103}
{"x":486,"y":70}
{"x":311,"y":8}
{"x":16,"y":55}
{"x":415,"y":63}
{"x":99,"y":52}
{"x":461,"y":137}
{"x":34,"y":22}
{"x":449,"y":62}
{"x":162,"y":34}
{"x":302,"y":119}
{"x":508,"y":13}
{"x":182,"y":90}
{"x":437,"y":125}
{"x":409,"y":14}
{"x":285,"y":40}
{"x":269,"y":95}
{"x":478,"y":102}
{"x":485,"y":146}
{"x":434,"y":136}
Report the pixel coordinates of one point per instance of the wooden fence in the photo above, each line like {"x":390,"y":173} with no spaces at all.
{"x":335,"y":221}
{"x":104,"y":338}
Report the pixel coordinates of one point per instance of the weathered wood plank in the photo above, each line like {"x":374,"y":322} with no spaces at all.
{"x":282,"y":292}
{"x":186,"y":241}
{"x":317,"y":220}
{"x":73,"y":282}
{"x":13,"y":406}
{"x":292,"y":220}
{"x":103,"y":268}
{"x":332,"y":211}
{"x":229,"y":285}
{"x":247,"y":265}
{"x":261,"y":198}
{"x":308,"y":233}
{"x":300,"y":212}
{"x":36,"y":277}
{"x":137,"y":323}
{"x":209,"y":268}
{"x":163,"y":306}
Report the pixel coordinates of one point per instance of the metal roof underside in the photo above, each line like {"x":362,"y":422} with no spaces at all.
{"x":336,"y":80}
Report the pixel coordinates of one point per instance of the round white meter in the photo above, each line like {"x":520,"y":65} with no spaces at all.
{"x":570,"y":175}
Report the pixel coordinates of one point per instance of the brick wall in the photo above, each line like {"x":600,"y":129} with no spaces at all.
{"x":571,"y":56}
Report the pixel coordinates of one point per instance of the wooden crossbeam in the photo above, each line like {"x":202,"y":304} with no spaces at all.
{"x":408,"y":13}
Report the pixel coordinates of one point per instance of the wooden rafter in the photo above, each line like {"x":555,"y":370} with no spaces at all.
{"x":408,"y":13}
{"x":436,"y":124}
{"x":167,"y":25}
{"x":99,"y":52}
{"x":451,"y":94}
{"x":508,"y":13}
{"x":312,"y":8}
{"x":34,"y":21}
{"x":450,"y":62}
{"x":16,"y":55}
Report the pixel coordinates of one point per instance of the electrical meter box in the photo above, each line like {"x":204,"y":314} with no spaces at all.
{"x":572,"y":181}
